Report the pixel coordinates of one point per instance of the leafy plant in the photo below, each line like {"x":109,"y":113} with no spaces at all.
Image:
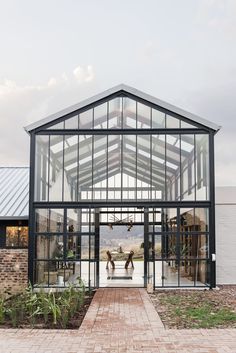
{"x":53,"y":307}
{"x":2,"y":310}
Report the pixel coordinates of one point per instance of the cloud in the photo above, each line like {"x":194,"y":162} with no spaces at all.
{"x":84,"y":74}
{"x":21,"y":105}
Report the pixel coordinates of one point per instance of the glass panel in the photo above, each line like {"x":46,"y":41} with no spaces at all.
{"x":193,"y":273}
{"x":187,"y":167}
{"x":56,"y":220}
{"x":202,"y":167}
{"x":170,"y":273}
{"x":202,"y":219}
{"x":158,"y":119}
{"x":100,"y":167}
{"x":172,"y":167}
{"x":57,"y":126}
{"x":129,"y":167}
{"x":158,"y":274}
{"x":143,"y":167}
{"x":114,"y":167}
{"x":49,"y":220}
{"x":114,"y":113}
{"x":194,"y":219}
{"x":72,"y":123}
{"x":158,"y":167}
{"x":129,"y":113}
{"x":73,"y":220}
{"x":86,"y":119}
{"x":85,"y":247}
{"x":169,"y":220}
{"x":143,"y":116}
{"x":187,"y":220}
{"x":85,"y":167}
{"x":41,"y":168}
{"x":56,"y":168}
{"x":70,"y":168}
{"x":92,"y":247}
{"x":185,"y":125}
{"x":42,"y":220}
{"x":100,"y":116}
{"x":17,"y":236}
{"x":194,"y":245}
{"x":172,"y":123}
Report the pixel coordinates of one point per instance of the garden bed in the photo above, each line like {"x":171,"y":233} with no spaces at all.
{"x":53,"y":310}
{"x":180,"y":309}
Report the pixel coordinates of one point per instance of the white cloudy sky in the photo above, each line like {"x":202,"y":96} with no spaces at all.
{"x":56,"y":52}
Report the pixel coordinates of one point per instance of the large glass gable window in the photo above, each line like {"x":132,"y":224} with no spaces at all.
{"x":122,"y":152}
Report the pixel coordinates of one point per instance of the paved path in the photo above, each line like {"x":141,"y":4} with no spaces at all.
{"x":119,"y":321}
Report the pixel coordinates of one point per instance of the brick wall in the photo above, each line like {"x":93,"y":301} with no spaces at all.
{"x":13,"y":270}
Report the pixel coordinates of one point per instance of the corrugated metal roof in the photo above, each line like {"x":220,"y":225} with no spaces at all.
{"x":133,"y":91}
{"x":14,"y":192}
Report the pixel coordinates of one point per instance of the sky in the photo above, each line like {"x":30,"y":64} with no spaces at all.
{"x":55,"y":53}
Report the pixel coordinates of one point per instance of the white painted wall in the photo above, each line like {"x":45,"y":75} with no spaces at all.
{"x":225,"y":235}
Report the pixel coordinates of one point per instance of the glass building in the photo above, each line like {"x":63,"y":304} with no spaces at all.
{"x":122,"y":173}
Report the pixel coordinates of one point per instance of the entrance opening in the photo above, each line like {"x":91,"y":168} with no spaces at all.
{"x":121,"y":247}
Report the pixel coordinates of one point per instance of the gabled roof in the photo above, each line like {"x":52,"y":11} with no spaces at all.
{"x":124,"y":88}
{"x":14,"y":192}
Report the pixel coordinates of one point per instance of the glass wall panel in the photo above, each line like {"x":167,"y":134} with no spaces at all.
{"x":100,"y":167}
{"x":86,"y":119}
{"x":56,"y":220}
{"x":42,"y":220}
{"x":56,"y":168}
{"x":170,"y":273}
{"x":49,"y":220}
{"x":70,"y":168}
{"x":85,"y":177}
{"x":202,"y":219}
{"x":193,"y":273}
{"x":129,"y":181}
{"x":115,"y":113}
{"x":72,"y":123}
{"x":129,"y":113}
{"x":143,"y":167}
{"x":187,"y":167}
{"x":158,"y":167}
{"x":173,"y":165}
{"x":194,"y":246}
{"x":73,"y":220}
{"x":143,"y":116}
{"x":58,"y":126}
{"x":194,"y":219}
{"x":172,"y":123}
{"x":185,"y":125}
{"x":114,"y":162}
{"x":41,"y":168}
{"x":100,"y":116}
{"x":158,"y":119}
{"x":202,"y":167}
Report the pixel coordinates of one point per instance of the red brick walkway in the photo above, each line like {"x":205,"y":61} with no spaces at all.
{"x":119,"y":321}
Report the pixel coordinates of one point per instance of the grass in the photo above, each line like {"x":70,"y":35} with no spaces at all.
{"x":194,"y":310}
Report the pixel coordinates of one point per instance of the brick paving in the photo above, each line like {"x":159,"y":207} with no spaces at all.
{"x":119,"y":321}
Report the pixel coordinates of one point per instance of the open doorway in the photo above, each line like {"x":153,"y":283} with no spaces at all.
{"x":121,"y":247}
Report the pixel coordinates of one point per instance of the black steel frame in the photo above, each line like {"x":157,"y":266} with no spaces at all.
{"x":200,"y":129}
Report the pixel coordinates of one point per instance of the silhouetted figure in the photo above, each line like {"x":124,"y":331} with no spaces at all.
{"x":129,"y":260}
{"x":109,"y":259}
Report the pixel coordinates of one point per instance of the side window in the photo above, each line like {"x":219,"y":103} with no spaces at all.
{"x":16,"y":237}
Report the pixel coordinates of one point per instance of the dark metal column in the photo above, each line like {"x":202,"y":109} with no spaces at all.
{"x":97,"y":243}
{"x":146,"y":246}
{"x":212,"y":246}
{"x":31,"y":249}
